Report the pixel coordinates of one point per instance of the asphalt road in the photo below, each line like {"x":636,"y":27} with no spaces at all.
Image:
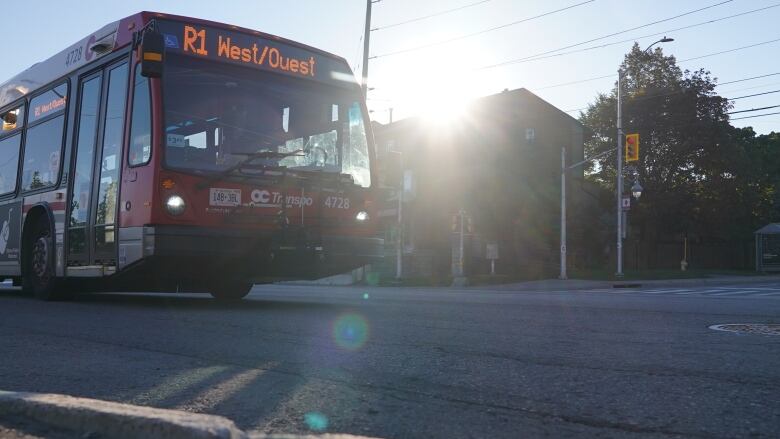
{"x":416,"y":362}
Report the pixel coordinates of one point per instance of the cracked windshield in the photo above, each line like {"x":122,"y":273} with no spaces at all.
{"x":390,"y":219}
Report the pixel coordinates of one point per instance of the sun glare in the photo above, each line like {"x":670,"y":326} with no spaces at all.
{"x":443,"y":107}
{"x":441,"y":95}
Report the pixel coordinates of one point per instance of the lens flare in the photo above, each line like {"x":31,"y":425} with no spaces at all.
{"x":365,"y":296}
{"x":350,"y":331}
{"x":316,"y":421}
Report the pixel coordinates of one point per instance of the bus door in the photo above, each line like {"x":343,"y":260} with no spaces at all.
{"x":95,"y":176}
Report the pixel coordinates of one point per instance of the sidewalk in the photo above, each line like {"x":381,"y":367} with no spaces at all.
{"x":580,"y":284}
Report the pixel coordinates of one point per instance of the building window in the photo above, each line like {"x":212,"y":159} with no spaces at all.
{"x":530,"y":136}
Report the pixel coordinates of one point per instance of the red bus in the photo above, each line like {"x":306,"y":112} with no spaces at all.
{"x":167,"y":153}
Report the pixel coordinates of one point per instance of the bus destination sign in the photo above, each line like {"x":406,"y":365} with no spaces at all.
{"x":254,"y":51}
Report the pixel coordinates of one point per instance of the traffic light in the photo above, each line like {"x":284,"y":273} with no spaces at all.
{"x":632,"y":147}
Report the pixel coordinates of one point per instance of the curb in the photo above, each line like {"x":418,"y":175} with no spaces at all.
{"x":91,"y":417}
{"x":115,"y":420}
{"x":575,"y":284}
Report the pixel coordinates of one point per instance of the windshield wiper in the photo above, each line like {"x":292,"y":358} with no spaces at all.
{"x":250,"y":157}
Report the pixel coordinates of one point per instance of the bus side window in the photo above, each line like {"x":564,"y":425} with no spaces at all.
{"x":9,"y":163}
{"x":141,"y":124}
{"x":43,"y":140}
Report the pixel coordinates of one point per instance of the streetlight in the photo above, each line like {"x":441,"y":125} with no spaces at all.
{"x":665,"y":39}
{"x":636,"y":190}
{"x":619,"y":175}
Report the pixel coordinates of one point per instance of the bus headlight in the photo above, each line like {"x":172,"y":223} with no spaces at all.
{"x":175,"y":205}
{"x":361,"y":216}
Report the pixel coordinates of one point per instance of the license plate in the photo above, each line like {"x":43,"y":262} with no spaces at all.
{"x":224,"y":197}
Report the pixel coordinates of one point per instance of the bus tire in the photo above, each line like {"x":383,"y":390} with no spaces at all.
{"x":231,"y":291}
{"x":38,"y":275}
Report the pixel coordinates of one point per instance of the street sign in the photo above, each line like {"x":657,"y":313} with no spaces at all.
{"x":491,"y":251}
{"x":626,"y":202}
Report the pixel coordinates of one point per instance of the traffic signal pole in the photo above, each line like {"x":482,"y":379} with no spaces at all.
{"x":619,"y":181}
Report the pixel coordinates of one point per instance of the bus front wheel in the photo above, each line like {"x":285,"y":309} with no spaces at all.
{"x":39,"y":277}
{"x":231,"y":291}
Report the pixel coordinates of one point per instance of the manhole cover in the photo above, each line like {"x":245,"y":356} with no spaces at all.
{"x":749,"y":328}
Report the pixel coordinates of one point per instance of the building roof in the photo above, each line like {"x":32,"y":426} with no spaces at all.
{"x":520,"y":94}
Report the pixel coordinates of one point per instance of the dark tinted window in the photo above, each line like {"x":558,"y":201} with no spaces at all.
{"x":51,"y":102}
{"x":12,"y":119}
{"x":141,"y":131}
{"x":42,"y":150}
{"x":9,"y":163}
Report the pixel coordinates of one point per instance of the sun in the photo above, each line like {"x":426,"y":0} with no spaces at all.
{"x":438,"y":89}
{"x":442,"y":107}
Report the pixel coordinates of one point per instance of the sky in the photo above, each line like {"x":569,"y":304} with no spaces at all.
{"x":439,"y":78}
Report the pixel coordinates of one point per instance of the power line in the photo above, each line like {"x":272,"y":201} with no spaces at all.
{"x":753,"y":95}
{"x":611,"y":75}
{"x":463,"y":37}
{"x":609,"y":35}
{"x":757,"y":115}
{"x":730,"y":50}
{"x":752,"y":88}
{"x":747,"y":79}
{"x":551,"y":53}
{"x":671,"y":93}
{"x":425,"y":17}
{"x":753,"y":109}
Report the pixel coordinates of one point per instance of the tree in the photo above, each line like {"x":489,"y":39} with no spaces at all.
{"x":702,"y":176}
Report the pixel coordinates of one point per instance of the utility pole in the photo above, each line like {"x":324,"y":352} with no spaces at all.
{"x":399,"y":249}
{"x":366,"y":45}
{"x":563,"y":274}
{"x":619,"y":177}
{"x":460,"y":246}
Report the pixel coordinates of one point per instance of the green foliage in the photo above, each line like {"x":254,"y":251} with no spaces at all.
{"x":702,"y":176}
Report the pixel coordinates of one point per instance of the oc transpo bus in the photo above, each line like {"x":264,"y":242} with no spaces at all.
{"x":168,"y":153}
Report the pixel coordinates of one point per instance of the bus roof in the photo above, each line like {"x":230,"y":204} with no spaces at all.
{"x":105,"y":40}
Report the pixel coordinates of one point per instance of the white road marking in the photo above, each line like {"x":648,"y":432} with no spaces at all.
{"x":732,"y":293}
{"x":666,"y":291}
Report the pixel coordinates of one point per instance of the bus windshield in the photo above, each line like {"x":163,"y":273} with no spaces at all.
{"x":218,"y":116}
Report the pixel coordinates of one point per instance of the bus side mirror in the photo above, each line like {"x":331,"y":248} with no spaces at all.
{"x":152,"y":51}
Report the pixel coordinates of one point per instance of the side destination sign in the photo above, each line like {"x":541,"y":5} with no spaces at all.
{"x":253,"y":51}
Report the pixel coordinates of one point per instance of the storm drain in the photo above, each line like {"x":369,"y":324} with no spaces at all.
{"x":749,"y":328}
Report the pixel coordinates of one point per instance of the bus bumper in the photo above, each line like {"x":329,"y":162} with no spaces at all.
{"x":258,"y":255}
